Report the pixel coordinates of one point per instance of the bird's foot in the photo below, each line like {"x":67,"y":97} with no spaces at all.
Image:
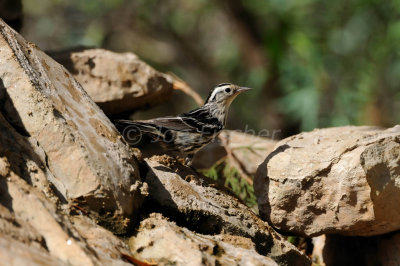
{"x":188,"y":160}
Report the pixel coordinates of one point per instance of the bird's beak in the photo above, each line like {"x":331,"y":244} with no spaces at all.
{"x":243,"y":89}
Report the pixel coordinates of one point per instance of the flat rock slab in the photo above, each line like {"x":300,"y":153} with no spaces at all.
{"x":80,"y":151}
{"x":168,"y":244}
{"x":204,"y":207}
{"x":342,"y":180}
{"x":117,"y":82}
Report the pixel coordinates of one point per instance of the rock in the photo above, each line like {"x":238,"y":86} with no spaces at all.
{"x":18,"y":230}
{"x":350,"y":250}
{"x":168,"y":244}
{"x":206,"y":208}
{"x":45,"y":112}
{"x":37,"y":230}
{"x":248,"y":149}
{"x":19,"y":155}
{"x":117,"y":82}
{"x":13,"y":252}
{"x":337,"y":180}
{"x":105,"y":244}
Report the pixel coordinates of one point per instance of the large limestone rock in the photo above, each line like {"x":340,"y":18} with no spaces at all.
{"x":337,"y":180}
{"x":117,"y":82}
{"x":34,"y":231}
{"x":61,"y":136}
{"x":168,"y":244}
{"x":204,"y":207}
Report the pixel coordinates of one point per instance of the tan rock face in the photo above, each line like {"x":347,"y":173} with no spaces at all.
{"x":208,"y":209}
{"x":13,"y":252}
{"x":338,"y":180}
{"x":33,"y":229}
{"x":79,"y":151}
{"x":168,"y":244}
{"x":116,"y":82}
{"x":34,"y":226}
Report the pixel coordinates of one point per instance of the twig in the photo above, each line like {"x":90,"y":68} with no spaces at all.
{"x":79,"y":208}
{"x":135,"y":261}
{"x":179,"y":84}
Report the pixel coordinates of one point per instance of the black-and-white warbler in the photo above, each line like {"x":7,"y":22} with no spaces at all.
{"x":188,"y":132}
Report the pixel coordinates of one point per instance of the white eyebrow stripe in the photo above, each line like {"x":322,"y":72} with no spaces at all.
{"x":217,"y":90}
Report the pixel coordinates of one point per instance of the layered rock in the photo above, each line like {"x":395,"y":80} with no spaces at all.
{"x":168,"y":244}
{"x":204,"y":207}
{"x":337,"y":180}
{"x":34,"y":231}
{"x":65,"y":142}
{"x":117,"y":82}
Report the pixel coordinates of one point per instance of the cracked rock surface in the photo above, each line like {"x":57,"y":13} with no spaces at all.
{"x":63,"y":138}
{"x":342,"y":180}
{"x":206,"y":208}
{"x":33,"y":231}
{"x":168,"y":244}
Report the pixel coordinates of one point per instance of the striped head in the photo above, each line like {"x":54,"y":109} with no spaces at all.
{"x":221,"y":97}
{"x":225,"y":93}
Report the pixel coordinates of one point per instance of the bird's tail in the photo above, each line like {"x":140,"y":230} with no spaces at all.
{"x":134,"y":131}
{"x":135,"y":127}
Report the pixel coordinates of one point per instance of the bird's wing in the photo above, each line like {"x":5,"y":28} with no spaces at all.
{"x":121,"y":123}
{"x":196,"y":121}
{"x":202,"y":121}
{"x":159,"y":124}
{"x":173,"y":123}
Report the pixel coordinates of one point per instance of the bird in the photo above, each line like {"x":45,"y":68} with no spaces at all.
{"x":187,"y":133}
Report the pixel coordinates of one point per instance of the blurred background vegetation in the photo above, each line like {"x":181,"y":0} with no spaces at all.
{"x":312,"y":63}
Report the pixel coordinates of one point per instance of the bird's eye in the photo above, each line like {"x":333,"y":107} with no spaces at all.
{"x":228,"y":90}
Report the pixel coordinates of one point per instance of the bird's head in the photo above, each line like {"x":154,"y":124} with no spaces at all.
{"x":225,"y":93}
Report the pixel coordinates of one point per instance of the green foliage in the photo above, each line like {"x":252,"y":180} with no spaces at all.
{"x":294,"y":240}
{"x":211,"y":173}
{"x":313,"y":63}
{"x":229,"y":176}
